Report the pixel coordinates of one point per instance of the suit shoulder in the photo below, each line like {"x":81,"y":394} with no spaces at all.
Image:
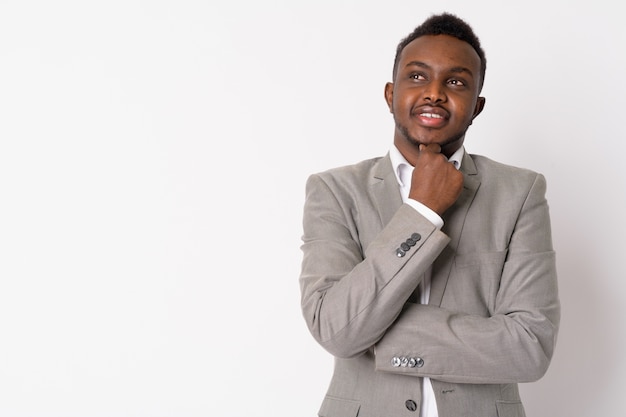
{"x":490,"y":169}
{"x":357,"y":173}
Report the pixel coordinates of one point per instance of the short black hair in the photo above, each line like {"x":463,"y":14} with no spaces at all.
{"x":445,"y":24}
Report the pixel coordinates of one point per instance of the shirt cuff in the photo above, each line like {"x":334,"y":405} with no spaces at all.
{"x":432,"y":217}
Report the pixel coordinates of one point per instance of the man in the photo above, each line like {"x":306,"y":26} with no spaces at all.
{"x":429,"y":273}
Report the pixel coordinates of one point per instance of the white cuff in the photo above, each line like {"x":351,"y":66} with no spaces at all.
{"x":433,"y":217}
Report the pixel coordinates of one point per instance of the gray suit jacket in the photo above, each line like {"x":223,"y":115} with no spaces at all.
{"x":494,"y":311}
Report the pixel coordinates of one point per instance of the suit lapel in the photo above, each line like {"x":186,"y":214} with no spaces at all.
{"x":454,"y":219}
{"x":386,"y":197}
{"x":388,"y":200}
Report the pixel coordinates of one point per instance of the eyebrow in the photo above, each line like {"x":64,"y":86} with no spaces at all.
{"x":455,"y":70}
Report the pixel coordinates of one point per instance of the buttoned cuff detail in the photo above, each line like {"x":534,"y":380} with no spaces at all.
{"x":407,"y":362}
{"x":408,"y":244}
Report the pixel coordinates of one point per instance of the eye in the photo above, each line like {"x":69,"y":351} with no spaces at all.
{"x":418,"y":76}
{"x":456,"y":82}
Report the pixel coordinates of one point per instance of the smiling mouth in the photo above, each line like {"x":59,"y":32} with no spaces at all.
{"x":431,"y":119}
{"x":431,"y":115}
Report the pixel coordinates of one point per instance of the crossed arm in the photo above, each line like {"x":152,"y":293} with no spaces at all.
{"x":354,"y":299}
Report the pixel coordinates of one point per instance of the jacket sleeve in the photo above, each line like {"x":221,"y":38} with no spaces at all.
{"x":352,"y":295}
{"x":514,"y":343}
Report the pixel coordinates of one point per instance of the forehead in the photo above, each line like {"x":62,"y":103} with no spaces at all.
{"x":441,"y":51}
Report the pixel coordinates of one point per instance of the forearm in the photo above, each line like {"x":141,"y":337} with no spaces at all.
{"x":462,"y":348}
{"x":350,"y":294}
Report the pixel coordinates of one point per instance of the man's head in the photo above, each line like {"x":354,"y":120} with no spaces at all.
{"x":437,"y":79}
{"x":445,"y":24}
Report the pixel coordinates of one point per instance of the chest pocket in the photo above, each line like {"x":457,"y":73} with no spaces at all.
{"x":473,"y":283}
{"x":510,"y":409}
{"x":337,"y":407}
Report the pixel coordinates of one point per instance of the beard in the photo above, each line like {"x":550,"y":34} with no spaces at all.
{"x":448,"y":145}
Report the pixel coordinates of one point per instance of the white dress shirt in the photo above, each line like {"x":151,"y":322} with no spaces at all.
{"x":404,"y":172}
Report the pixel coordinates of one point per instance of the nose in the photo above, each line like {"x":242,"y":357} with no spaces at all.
{"x":434,"y":93}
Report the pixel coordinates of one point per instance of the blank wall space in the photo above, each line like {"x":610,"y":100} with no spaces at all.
{"x":153,"y":157}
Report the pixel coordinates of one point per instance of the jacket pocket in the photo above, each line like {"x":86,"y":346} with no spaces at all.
{"x":338,"y":407}
{"x":473,"y":284}
{"x":510,"y":409}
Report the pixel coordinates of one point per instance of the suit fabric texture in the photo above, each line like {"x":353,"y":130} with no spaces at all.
{"x":493,"y":314}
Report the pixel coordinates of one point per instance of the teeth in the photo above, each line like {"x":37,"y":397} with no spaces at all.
{"x":431,"y":115}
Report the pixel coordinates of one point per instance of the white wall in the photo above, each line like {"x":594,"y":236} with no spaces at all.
{"x":152,"y":164}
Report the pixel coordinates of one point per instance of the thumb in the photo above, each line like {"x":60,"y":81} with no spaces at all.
{"x":431,"y":147}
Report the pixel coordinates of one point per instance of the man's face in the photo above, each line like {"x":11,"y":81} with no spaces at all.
{"x":434,"y":97}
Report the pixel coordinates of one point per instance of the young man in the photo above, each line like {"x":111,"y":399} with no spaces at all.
{"x":429,"y":273}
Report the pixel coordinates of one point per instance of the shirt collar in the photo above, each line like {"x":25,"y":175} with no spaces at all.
{"x":403,"y":170}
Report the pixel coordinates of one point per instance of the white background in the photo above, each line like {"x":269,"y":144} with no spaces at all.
{"x":153,"y":156}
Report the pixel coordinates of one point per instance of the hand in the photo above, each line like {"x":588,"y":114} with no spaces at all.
{"x":436,"y":183}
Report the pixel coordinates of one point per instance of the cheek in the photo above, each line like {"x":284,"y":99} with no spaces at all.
{"x":402,"y":104}
{"x":465,"y":112}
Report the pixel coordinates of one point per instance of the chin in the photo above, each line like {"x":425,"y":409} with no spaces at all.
{"x":448,"y":144}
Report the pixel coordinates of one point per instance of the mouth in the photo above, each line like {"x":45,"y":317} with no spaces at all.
{"x":432,"y":117}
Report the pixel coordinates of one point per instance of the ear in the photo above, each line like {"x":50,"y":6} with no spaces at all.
{"x":480,"y":105}
{"x":389,"y":96}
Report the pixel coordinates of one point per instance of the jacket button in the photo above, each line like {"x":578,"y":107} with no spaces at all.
{"x":395,"y":361}
{"x":410,"y":405}
{"x":416,"y":237}
{"x":399,"y":253}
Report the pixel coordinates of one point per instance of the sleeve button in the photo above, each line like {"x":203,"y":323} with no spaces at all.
{"x":410,"y":405}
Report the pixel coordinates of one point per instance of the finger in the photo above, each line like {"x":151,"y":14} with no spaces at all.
{"x":431,"y":147}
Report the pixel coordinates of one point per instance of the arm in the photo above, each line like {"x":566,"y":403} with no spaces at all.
{"x":515,"y":343}
{"x":349,"y":299}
